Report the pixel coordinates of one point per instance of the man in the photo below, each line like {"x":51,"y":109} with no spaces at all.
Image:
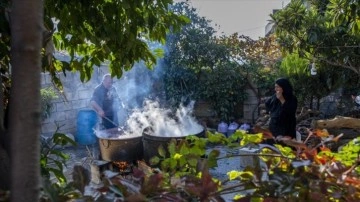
{"x":105,"y":102}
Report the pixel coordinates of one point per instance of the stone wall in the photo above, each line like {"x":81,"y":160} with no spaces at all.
{"x":76,"y":96}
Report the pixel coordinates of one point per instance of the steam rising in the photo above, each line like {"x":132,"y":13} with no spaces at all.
{"x":164,"y":122}
{"x":138,"y":89}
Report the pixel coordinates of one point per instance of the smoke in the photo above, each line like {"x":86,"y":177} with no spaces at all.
{"x":164,"y":122}
{"x":141,"y":94}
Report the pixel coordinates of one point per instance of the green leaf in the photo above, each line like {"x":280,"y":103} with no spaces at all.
{"x":192,"y":162}
{"x":172,"y":163}
{"x":184,"y":149}
{"x":154,"y":160}
{"x":251,"y":138}
{"x":172,"y":148}
{"x":161,"y":151}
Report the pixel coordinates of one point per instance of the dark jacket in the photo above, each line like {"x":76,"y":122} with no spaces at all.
{"x":108,"y":100}
{"x":283,"y":116}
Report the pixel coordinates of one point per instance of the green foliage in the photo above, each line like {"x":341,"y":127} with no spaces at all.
{"x":246,"y":139}
{"x":52,"y":160}
{"x":198,"y":67}
{"x":345,"y":11}
{"x":264,"y":78}
{"x":47,"y":96}
{"x":300,"y":174}
{"x":225,"y":87}
{"x":117,"y":32}
{"x":94,"y":32}
{"x":298,"y":71}
{"x":216,"y":138}
{"x":328,"y":80}
{"x":258,"y":60}
{"x":294,"y":171}
{"x":321,"y":31}
{"x":181,"y":157}
{"x":58,"y":192}
{"x":349,"y":153}
{"x":290,"y":171}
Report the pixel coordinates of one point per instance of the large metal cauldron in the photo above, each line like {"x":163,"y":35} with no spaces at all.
{"x":151,"y":142}
{"x":120,"y":148}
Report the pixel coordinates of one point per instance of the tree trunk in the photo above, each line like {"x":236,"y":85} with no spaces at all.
{"x":4,"y":153}
{"x":337,"y":122}
{"x":4,"y":169}
{"x":26,"y":23}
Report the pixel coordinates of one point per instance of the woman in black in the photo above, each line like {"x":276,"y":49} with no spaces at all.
{"x":282,"y":108}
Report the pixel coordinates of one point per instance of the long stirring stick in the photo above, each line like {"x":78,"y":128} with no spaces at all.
{"x":111,"y":122}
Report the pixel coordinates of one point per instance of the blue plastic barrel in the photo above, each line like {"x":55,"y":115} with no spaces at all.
{"x":86,"y":121}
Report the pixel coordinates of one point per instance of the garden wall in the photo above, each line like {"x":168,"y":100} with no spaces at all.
{"x":76,"y":96}
{"x":132,"y":88}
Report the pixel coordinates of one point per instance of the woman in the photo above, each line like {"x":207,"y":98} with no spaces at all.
{"x":282,"y":108}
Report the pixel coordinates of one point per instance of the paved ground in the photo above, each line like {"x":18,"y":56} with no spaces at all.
{"x":80,"y":155}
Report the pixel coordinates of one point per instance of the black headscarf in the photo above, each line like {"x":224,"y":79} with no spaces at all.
{"x":286,"y":86}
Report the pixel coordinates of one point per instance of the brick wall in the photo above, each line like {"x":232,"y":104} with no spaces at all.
{"x":76,"y":96}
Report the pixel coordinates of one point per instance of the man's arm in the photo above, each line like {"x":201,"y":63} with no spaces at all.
{"x":94,"y":102}
{"x":117,"y":102}
{"x":97,"y":108}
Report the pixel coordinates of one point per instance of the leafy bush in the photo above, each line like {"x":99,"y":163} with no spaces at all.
{"x":52,"y":162}
{"x":293,"y":170}
{"x":198,"y":67}
{"x":287,"y":171}
{"x":47,"y":95}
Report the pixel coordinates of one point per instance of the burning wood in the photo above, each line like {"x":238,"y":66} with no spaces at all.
{"x":123,"y":166}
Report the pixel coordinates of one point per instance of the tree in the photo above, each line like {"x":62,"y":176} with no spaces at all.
{"x":306,"y":86}
{"x":92,"y":32}
{"x":324,"y":32}
{"x":198,"y":67}
{"x":188,"y":54}
{"x":26,"y":30}
{"x":115,"y":31}
{"x":259,"y":60}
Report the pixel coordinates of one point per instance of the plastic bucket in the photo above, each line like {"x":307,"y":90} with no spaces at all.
{"x":86,"y":121}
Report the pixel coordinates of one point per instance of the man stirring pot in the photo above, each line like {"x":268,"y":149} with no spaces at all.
{"x":105,"y":101}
